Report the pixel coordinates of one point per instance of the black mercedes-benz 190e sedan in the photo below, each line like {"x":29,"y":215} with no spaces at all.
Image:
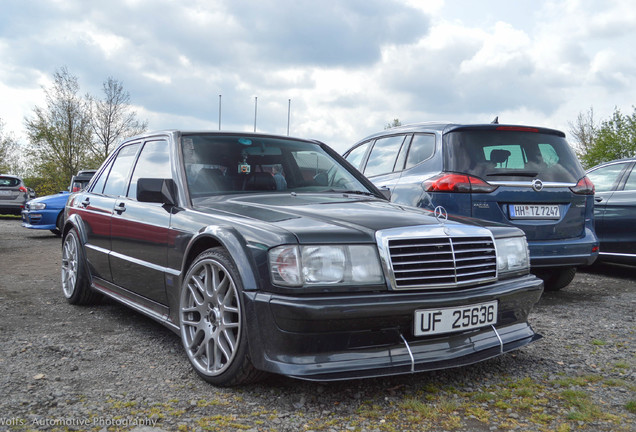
{"x":272,"y":254}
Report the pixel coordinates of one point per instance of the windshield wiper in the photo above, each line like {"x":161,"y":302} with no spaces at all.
{"x":352,"y":192}
{"x":514,"y":173}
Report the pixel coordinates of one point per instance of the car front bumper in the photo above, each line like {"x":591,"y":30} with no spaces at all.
{"x":40,"y":219}
{"x":371,"y":334}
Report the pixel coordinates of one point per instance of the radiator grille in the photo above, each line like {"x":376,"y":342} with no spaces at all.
{"x":442,"y":261}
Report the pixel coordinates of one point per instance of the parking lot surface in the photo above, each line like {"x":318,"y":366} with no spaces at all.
{"x":105,"y":367}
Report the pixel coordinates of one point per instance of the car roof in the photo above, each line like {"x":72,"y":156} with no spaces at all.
{"x":627,"y":159}
{"x":445,"y":127}
{"x":11,"y":175}
{"x":177,"y":132}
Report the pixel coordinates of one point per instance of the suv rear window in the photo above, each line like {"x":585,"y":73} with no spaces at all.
{"x":9,"y":182}
{"x":511,"y":155}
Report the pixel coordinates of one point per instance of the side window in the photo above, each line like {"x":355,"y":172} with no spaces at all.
{"x":153,"y":162}
{"x":383,"y":154}
{"x":357,"y":154}
{"x":116,"y":181}
{"x":98,"y":185}
{"x":630,"y":185}
{"x":605,"y":177}
{"x":422,"y":148}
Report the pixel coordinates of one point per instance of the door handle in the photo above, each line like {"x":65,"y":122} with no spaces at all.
{"x":598,"y":199}
{"x":86,"y":202}
{"x":120,"y":208}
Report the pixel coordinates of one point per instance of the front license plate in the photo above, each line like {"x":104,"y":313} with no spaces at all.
{"x":534,"y":211}
{"x":454,"y":319}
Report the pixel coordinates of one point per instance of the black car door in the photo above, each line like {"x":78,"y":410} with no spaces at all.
{"x":140,"y":230}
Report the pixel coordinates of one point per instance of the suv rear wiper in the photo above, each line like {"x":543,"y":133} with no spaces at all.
{"x":514,"y":173}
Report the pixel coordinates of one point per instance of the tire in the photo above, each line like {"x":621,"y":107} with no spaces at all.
{"x":555,"y":279}
{"x":212,"y":321}
{"x":75,"y":282}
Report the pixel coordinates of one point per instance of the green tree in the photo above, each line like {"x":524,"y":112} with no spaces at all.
{"x":112,"y":120}
{"x":613,"y":139}
{"x":394,"y":123}
{"x":60,"y":133}
{"x":9,"y":150}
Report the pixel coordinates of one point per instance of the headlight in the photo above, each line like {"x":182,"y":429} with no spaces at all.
{"x":512,"y":254}
{"x":325,"y":265}
{"x":37,"y":206}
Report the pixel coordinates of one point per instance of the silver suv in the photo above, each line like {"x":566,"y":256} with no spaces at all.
{"x":13,"y":194}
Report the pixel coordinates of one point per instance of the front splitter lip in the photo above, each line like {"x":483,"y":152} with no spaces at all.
{"x":415,"y":358}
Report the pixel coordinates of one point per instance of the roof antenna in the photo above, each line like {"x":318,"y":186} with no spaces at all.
{"x":495,"y":121}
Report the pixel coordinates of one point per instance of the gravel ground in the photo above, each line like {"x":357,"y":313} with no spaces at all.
{"x":106,"y":368}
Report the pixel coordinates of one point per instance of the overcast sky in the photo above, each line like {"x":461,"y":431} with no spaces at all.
{"x":348,"y":66}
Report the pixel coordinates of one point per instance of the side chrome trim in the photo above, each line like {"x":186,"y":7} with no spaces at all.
{"x":147,"y":264}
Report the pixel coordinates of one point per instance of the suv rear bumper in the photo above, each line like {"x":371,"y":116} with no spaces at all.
{"x":561,"y":253}
{"x":364,"y":335}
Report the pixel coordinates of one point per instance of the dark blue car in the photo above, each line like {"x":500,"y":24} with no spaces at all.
{"x":527,"y":177}
{"x":47,"y":212}
{"x":615,"y":209}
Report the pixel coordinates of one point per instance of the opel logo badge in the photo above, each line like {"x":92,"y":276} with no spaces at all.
{"x":537,"y":185}
{"x":440,"y":214}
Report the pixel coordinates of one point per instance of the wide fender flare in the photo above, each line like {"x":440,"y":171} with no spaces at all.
{"x":74,"y":221}
{"x":236,"y":245}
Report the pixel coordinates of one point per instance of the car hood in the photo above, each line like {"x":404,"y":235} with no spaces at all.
{"x":313,"y":218}
{"x":59,"y":197}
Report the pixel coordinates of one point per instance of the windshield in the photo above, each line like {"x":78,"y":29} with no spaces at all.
{"x":511,"y":155}
{"x":224,"y":164}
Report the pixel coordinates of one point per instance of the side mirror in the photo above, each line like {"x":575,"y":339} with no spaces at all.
{"x":163,"y":191}
{"x":386,"y":192}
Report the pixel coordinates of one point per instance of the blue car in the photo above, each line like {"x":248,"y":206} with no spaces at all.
{"x":615,"y":209}
{"x":47,"y":212}
{"x":527,"y":177}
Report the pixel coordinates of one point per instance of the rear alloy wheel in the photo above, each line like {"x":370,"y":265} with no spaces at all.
{"x":556,"y":278}
{"x":213,"y":329}
{"x":75,"y":283}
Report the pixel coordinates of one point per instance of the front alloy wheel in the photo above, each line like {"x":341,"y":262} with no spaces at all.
{"x":212,"y":327}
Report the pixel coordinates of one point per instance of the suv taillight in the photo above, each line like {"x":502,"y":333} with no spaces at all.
{"x":23,"y":189}
{"x":462,"y":183}
{"x":584,"y":187}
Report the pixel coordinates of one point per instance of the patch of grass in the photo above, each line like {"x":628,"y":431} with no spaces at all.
{"x":579,"y":381}
{"x":631,"y":406}
{"x":479,"y":413}
{"x":621,"y":365}
{"x":598,"y":342}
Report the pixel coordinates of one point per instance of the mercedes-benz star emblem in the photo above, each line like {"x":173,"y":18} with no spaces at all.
{"x":440,"y":214}
{"x":537,"y":185}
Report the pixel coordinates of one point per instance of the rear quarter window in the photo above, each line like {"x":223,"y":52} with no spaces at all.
{"x":511,"y":155}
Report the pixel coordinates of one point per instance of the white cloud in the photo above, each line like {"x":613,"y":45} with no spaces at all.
{"x":348,"y":66}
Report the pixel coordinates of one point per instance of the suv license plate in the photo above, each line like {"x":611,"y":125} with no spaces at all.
{"x":534,"y":211}
{"x":454,"y":319}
